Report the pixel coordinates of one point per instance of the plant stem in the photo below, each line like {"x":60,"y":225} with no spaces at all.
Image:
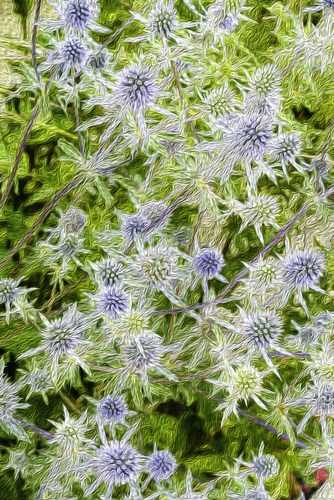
{"x":33,"y":40}
{"x":117,"y":32}
{"x":33,"y":428}
{"x":46,"y":211}
{"x":19,"y":155}
{"x":69,"y":403}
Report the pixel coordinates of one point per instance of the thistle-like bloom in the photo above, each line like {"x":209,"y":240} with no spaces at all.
{"x":161,"y":465}
{"x":207,"y":264}
{"x":219,"y":105}
{"x":69,"y":57}
{"x":75,"y":16}
{"x":264,"y":94}
{"x":19,"y":462}
{"x":264,"y":466}
{"x":262,"y":331}
{"x":244,"y":384}
{"x":135,"y":90}
{"x":134,"y":226}
{"x":9,"y":404}
{"x":264,"y":276}
{"x":161,"y":24}
{"x":63,"y":339}
{"x":310,"y":334}
{"x":259,"y":210}
{"x":69,"y":435}
{"x":71,"y":223}
{"x":13,"y":296}
{"x":38,"y":381}
{"x":285,"y":149}
{"x":108,"y":272}
{"x":302,"y":271}
{"x":137,"y":227}
{"x":304,"y":268}
{"x":114,"y":464}
{"x":140,"y":356}
{"x":157,"y":269}
{"x":113,"y":410}
{"x":319,"y":398}
{"x":67,"y":250}
{"x":111,"y":302}
{"x":219,"y":22}
{"x":246,"y":139}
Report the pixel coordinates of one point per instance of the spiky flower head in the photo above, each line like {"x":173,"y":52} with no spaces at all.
{"x":157,"y":266}
{"x":111,"y":301}
{"x":134,"y":226}
{"x":98,"y":60}
{"x":37,"y":380}
{"x":13,"y":297}
{"x":113,"y":409}
{"x":266,"y":80}
{"x":319,"y":398}
{"x":304,"y":268}
{"x":246,"y":139}
{"x":9,"y":404}
{"x":243,"y":383}
{"x":264,"y":276}
{"x":63,"y":338}
{"x":264,"y":94}
{"x":161,"y":465}
{"x":220,"y":102}
{"x":136,"y":87}
{"x":208,"y":263}
{"x":73,"y":52}
{"x":246,"y":382}
{"x":285,"y":149}
{"x":79,"y":14}
{"x":115,"y":463}
{"x":69,"y":434}
{"x":263,"y":465}
{"x":143,"y":353}
{"x":72,"y":222}
{"x":266,"y":466}
{"x":262,"y":209}
{"x":68,"y":250}
{"x":75,"y":16}
{"x":64,"y":334}
{"x":9,"y":291}
{"x":163,"y":19}
{"x":108,"y":272}
{"x":9,"y":294}
{"x":19,"y":462}
{"x":67,"y":59}
{"x":259,"y":210}
{"x":263,"y":329}
{"x":252,"y":137}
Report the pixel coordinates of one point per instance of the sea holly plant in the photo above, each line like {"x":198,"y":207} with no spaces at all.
{"x":166,"y":267}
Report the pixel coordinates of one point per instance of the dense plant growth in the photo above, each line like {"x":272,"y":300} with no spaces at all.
{"x":166,"y":284}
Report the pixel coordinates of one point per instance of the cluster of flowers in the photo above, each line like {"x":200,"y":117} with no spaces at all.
{"x":215,"y":146}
